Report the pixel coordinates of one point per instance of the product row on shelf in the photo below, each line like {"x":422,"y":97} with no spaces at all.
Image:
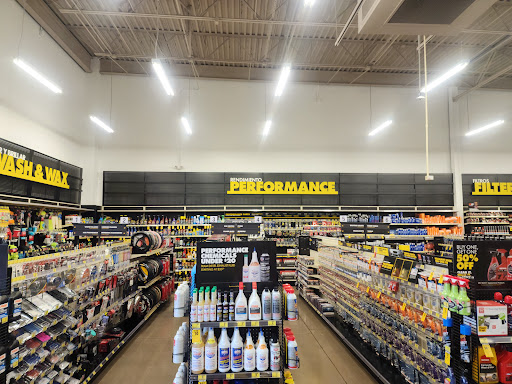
{"x":69,"y":311}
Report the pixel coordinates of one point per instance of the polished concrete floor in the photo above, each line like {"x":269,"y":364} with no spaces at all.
{"x":148,"y":357}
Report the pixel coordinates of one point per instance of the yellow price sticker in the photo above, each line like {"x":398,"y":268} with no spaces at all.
{"x":203,"y":382}
{"x":255,"y":323}
{"x":196,"y":326}
{"x":403,"y":307}
{"x":5,"y":320}
{"x":223,"y":324}
{"x":431,"y":276}
{"x":276,"y":374}
{"x":230,"y":376}
{"x":201,"y":377}
{"x":240,"y":323}
{"x":441,"y":279}
{"x":255,"y":375}
{"x":196,"y":336}
{"x":378,"y":294}
{"x":488,"y":351}
{"x":271,"y":323}
{"x":367,"y":289}
{"x":382,"y":251}
{"x":424,"y":316}
{"x":34,"y":274}
{"x":423,"y":350}
{"x":445,"y":313}
{"x":357,"y":285}
{"x":447,"y":351}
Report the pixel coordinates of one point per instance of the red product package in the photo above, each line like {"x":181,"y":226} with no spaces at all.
{"x":32,"y":343}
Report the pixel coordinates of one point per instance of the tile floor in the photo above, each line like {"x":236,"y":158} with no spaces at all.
{"x":148,"y":357}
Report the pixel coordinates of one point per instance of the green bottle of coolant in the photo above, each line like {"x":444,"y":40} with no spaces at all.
{"x":453,"y":296}
{"x":446,"y":291}
{"x":463,"y":303}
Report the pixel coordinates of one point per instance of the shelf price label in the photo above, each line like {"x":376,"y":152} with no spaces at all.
{"x":447,"y":351}
{"x":367,"y":289}
{"x":403,"y":307}
{"x":230,"y":376}
{"x":240,"y":323}
{"x":424,"y":316}
{"x":196,"y":336}
{"x":255,"y":323}
{"x":271,"y":323}
{"x":487,"y":350}
{"x":196,"y":326}
{"x":276,"y":374}
{"x":223,"y":324}
{"x":201,"y":377}
{"x":378,"y":295}
{"x":255,"y":375}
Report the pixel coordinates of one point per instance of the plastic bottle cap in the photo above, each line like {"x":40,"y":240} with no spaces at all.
{"x":508,"y":299}
{"x":291,"y":338}
{"x":498,"y":296}
{"x":241,"y":286}
{"x":465,"y":329}
{"x":254,"y":286}
{"x":448,"y":322}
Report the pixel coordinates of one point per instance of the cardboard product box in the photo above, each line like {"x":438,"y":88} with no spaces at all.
{"x":491,"y":318}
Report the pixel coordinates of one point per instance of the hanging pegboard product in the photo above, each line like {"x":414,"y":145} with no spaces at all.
{"x":145,"y":241}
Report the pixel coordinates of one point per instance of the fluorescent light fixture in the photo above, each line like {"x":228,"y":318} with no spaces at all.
{"x":266,"y":129}
{"x":160,"y":73}
{"x":100,"y":123}
{"x":380,"y":127}
{"x":309,"y":3}
{"x":36,"y":75}
{"x":452,"y":72}
{"x":283,"y":78}
{"x":485,"y":127}
{"x":186,"y":125}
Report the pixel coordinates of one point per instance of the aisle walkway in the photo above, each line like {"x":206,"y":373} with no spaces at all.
{"x":148,"y":357}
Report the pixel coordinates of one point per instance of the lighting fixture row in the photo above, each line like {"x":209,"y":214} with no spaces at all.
{"x":283,"y":79}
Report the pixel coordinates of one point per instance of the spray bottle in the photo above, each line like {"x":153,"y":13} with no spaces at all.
{"x":463,"y":303}
{"x":454,"y":294}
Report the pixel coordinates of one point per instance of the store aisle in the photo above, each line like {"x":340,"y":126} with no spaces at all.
{"x":323,"y":358}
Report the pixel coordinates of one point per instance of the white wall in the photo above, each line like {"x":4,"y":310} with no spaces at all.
{"x":316,"y":128}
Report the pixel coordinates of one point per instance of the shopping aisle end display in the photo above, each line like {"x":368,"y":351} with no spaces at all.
{"x":221,"y":343}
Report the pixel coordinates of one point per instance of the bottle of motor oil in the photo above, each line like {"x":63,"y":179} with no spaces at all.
{"x":3,"y":359}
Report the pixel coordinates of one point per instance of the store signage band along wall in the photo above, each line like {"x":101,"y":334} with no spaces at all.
{"x":211,"y":188}
{"x":28,"y":173}
{"x":487,"y":189}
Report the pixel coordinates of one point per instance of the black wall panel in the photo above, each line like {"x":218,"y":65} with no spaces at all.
{"x":209,"y":188}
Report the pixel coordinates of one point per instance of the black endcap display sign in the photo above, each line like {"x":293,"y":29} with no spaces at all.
{"x":234,"y":262}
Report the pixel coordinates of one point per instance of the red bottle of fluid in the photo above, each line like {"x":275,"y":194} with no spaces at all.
{"x":492,"y":272}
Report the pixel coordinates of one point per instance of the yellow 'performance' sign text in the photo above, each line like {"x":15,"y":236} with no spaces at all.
{"x":27,"y":170}
{"x":282,"y":188}
{"x":492,"y":189}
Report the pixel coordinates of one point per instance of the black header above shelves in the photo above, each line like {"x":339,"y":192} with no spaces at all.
{"x":28,"y":173}
{"x":279,"y":189}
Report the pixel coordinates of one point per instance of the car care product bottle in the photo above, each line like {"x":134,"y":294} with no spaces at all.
{"x":505,"y":367}
{"x":178,"y":348}
{"x":213,"y":305}
{"x":508,"y":302}
{"x":219,"y":306}
{"x":486,"y":371}
{"x":210,"y":353}
{"x":501,"y":273}
{"x":446,"y":290}
{"x":254,"y":304}
{"x":492,"y":271}
{"x":465,"y":350}
{"x":291,"y":305}
{"x":225,"y":308}
{"x":193,"y":307}
{"x":197,"y":356}
{"x":206,"y":310}
{"x":275,"y":355}
{"x":15,"y":304}
{"x":237,"y":351}
{"x":224,"y":351}
{"x":463,"y":303}
{"x":262,"y":354}
{"x":292,"y":353}
{"x":200,"y":306}
{"x":509,"y":265}
{"x":14,"y":350}
{"x":266,"y":304}
{"x":241,"y":304}
{"x":276,"y":304}
{"x":245,"y":270}
{"x":231,"y":309}
{"x":249,"y":353}
{"x":254,"y":268}
{"x":454,"y":294}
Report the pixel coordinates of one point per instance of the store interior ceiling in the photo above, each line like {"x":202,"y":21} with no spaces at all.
{"x":252,"y":39}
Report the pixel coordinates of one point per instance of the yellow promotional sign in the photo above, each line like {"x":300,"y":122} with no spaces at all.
{"x":492,"y":189}
{"x":260,"y":187}
{"x":15,"y":165}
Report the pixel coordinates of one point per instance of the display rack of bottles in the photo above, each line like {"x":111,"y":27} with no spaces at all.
{"x":400,"y":319}
{"x":307,"y":272}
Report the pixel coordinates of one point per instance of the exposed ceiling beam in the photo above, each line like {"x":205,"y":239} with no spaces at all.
{"x":243,"y":20}
{"x":47,"y":19}
{"x":484,"y":82}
